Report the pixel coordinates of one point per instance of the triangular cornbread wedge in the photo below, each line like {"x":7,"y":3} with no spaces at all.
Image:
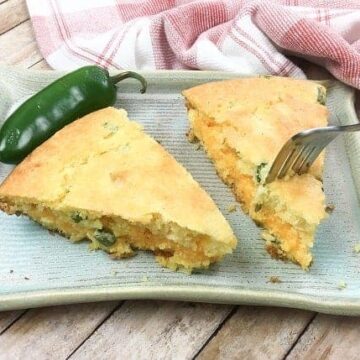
{"x":242,"y":125}
{"x":102,"y":178}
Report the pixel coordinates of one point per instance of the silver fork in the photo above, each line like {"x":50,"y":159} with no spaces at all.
{"x":300,"y":152}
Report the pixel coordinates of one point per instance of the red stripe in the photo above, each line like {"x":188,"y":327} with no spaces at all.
{"x":97,"y":58}
{"x":218,"y":33}
{"x":103,"y":61}
{"x":43,"y":26}
{"x":317,"y":41}
{"x":252,"y":51}
{"x":282,"y":66}
{"x":115,"y":50}
{"x":181,"y":37}
{"x":163,"y":55}
{"x":64,"y":36}
{"x":67,"y":36}
{"x":107,"y":62}
{"x":145,"y":8}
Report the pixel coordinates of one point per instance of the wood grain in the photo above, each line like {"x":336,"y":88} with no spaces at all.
{"x":329,"y":337}
{"x":18,"y":46}
{"x":154,"y":330}
{"x":257,"y":333}
{"x":12,"y":13}
{"x":52,"y":332}
{"x":8,"y":317}
{"x":41,"y":65}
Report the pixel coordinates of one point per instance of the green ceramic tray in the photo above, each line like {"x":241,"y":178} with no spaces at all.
{"x":38,"y":269}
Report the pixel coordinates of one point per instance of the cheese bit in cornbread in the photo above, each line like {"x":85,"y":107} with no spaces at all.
{"x":103,"y":179}
{"x":242,"y":125}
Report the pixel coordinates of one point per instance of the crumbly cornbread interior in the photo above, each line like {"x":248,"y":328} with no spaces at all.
{"x":242,"y":124}
{"x":103,"y":179}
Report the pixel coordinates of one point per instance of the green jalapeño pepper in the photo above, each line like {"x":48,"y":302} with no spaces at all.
{"x":69,"y":98}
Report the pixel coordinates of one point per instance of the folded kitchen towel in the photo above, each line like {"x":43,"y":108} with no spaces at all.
{"x":250,"y":37}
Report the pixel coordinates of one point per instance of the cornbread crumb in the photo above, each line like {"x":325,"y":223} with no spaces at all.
{"x":267,"y":236}
{"x":191,"y":136}
{"x":330,"y":208}
{"x":231,"y":208}
{"x":198,"y":146}
{"x":275,"y":280}
{"x":342,"y":285}
{"x":357,"y":248}
{"x":144,"y":279}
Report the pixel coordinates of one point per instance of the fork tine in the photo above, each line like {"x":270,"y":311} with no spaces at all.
{"x":279,"y":161}
{"x":308,"y":160}
{"x":296,"y":155}
{"x":300,"y":158}
{"x":313,"y":156}
{"x":287,"y":163}
{"x":300,"y":152}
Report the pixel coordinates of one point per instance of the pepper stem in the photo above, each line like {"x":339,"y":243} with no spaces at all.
{"x":129,"y":74}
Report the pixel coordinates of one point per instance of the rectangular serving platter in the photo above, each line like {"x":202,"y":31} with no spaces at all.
{"x":40,"y":269}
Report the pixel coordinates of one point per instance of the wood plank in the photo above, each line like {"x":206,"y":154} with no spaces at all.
{"x":52,"y":332}
{"x":329,"y":337}
{"x":154,"y":330}
{"x":12,"y":13}
{"x":9,"y":317}
{"x":18,"y":46}
{"x":257,"y":333}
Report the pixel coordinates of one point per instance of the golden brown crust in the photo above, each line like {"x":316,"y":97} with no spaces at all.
{"x":275,"y":252}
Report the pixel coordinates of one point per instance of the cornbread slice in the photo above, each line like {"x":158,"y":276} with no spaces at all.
{"x":242,"y":125}
{"x":102,"y":178}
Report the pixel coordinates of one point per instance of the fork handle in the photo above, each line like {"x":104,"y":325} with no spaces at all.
{"x":354,"y":127}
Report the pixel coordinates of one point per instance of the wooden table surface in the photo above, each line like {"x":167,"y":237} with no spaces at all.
{"x":158,"y":329}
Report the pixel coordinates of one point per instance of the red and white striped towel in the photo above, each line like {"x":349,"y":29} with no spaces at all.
{"x":250,"y":37}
